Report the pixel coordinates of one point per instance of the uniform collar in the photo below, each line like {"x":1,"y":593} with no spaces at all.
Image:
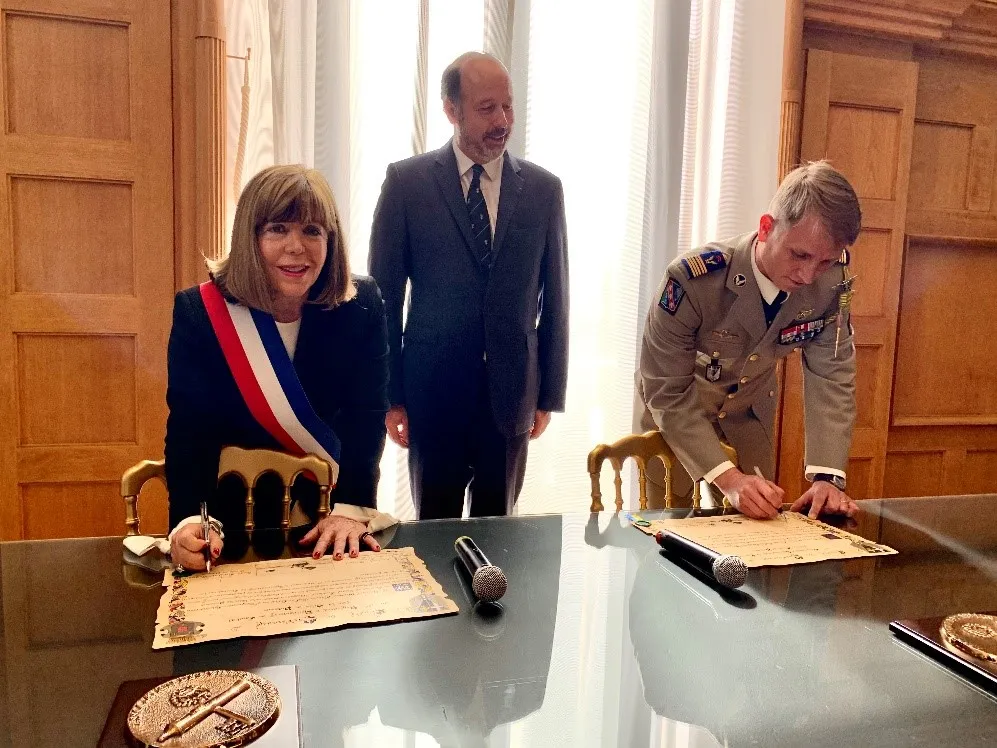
{"x":768,"y":289}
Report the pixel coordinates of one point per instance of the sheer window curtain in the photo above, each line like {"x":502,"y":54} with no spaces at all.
{"x":659,"y":116}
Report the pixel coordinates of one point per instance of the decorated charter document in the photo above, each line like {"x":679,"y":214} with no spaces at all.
{"x":267,"y":598}
{"x":792,"y":538}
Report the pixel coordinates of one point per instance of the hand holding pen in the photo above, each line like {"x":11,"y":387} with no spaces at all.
{"x":206,"y":534}
{"x":752,"y":495}
{"x":758,"y":472}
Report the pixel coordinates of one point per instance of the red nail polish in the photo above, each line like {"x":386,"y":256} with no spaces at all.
{"x":316,"y":555}
{"x":377,"y":547}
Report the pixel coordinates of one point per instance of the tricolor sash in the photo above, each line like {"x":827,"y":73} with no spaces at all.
{"x":266,"y":378}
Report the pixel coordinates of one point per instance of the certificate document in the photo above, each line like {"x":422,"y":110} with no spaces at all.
{"x":792,"y":538}
{"x":266,"y":598}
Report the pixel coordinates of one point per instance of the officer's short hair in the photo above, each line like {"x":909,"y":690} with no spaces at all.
{"x":819,"y":188}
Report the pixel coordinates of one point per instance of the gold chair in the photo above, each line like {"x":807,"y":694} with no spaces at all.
{"x":249,"y":465}
{"x":642,"y":448}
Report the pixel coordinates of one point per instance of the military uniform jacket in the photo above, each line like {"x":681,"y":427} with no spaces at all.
{"x":710,"y":314}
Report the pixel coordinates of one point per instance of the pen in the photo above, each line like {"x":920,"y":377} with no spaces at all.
{"x":206,"y":533}
{"x":758,"y":472}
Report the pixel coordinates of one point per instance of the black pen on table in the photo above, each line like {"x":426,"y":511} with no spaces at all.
{"x":206,"y":534}
{"x":758,"y":472}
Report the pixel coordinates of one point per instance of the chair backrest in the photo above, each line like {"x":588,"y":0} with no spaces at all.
{"x":642,"y":448}
{"x":251,"y":464}
{"x":248,"y":464}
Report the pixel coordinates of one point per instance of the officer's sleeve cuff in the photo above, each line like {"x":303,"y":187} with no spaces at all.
{"x":812,"y":470}
{"x":719,"y":470}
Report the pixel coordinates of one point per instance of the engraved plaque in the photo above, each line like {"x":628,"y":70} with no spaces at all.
{"x":205,"y":710}
{"x":972,"y":633}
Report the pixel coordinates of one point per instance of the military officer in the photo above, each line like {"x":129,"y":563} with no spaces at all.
{"x":725,"y":315}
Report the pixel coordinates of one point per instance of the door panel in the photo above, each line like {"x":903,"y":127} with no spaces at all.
{"x":86,"y":179}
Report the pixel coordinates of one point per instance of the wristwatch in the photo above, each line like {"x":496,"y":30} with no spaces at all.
{"x":835,"y":480}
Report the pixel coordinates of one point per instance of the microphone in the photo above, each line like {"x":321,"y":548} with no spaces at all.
{"x":730,"y":571}
{"x":488,"y":582}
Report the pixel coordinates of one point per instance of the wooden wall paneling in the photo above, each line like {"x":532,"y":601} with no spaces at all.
{"x":86,"y":243}
{"x":943,"y":373}
{"x":859,"y":113}
{"x":954,"y":173}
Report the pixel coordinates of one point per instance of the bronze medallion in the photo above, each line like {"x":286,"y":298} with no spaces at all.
{"x":205,"y":710}
{"x":974,"y":634}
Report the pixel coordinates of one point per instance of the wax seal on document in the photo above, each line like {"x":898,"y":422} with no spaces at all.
{"x":205,"y":710}
{"x":974,"y":634}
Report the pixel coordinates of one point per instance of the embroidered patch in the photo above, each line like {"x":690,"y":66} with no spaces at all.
{"x":672,"y":296}
{"x":802,"y":331}
{"x":846,"y":257}
{"x":703,"y":263}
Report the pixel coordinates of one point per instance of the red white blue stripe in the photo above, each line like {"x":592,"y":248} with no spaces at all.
{"x":266,"y":378}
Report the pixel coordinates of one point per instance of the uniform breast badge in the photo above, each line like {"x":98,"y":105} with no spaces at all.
{"x":713,"y":370}
{"x":205,"y":710}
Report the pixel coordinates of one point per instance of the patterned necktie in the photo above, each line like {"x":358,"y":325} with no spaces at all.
{"x":481,"y":227}
{"x":773,"y":309}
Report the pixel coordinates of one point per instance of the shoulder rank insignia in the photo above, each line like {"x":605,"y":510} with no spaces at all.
{"x":846,"y":257}
{"x":672,"y":296}
{"x":703,"y":263}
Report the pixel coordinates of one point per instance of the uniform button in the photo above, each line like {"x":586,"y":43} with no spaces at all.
{"x":753,"y":357}
{"x":744,"y":380}
{"x":722,"y":414}
{"x":730,"y":396}
{"x":771,"y":393}
{"x":796,"y":349}
{"x":716,"y":354}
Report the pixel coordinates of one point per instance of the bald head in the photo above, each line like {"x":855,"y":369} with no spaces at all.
{"x":477,"y":99}
{"x":474,"y":64}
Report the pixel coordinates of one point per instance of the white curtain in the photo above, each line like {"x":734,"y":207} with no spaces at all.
{"x":661,"y":117}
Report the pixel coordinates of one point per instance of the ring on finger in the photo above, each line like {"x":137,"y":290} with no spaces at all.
{"x":363,"y":535}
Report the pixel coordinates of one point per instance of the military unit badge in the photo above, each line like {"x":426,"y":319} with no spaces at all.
{"x":802,"y":331}
{"x":672,"y":296}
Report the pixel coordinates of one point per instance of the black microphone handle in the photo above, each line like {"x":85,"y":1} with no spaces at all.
{"x":705,"y":560}
{"x":470,"y":554}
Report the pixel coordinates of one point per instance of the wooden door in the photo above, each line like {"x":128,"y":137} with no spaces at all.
{"x":86,"y":251}
{"x":859,"y":113}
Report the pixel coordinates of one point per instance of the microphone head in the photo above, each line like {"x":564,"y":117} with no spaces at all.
{"x":730,"y":571}
{"x":489,"y":584}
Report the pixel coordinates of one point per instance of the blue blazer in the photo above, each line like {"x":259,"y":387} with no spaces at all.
{"x":515,"y":315}
{"x":341,"y":358}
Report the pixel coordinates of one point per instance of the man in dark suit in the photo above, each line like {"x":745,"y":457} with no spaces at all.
{"x":480,"y":236}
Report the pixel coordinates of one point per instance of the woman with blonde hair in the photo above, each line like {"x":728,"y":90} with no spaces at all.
{"x":282,"y":349}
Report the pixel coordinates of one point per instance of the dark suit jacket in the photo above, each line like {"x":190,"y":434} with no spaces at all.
{"x":459,"y":311}
{"x":341,"y":360}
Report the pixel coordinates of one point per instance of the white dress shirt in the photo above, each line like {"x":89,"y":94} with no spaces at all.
{"x":491,"y":181}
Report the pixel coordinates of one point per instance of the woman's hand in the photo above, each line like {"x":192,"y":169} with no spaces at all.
{"x":187,"y":547}
{"x":341,"y":532}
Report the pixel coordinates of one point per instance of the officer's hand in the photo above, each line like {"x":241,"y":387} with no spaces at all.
{"x":752,"y":496}
{"x":825,"y":497}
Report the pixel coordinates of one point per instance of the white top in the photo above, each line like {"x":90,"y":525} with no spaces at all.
{"x":289,"y":334}
{"x":491,"y":181}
